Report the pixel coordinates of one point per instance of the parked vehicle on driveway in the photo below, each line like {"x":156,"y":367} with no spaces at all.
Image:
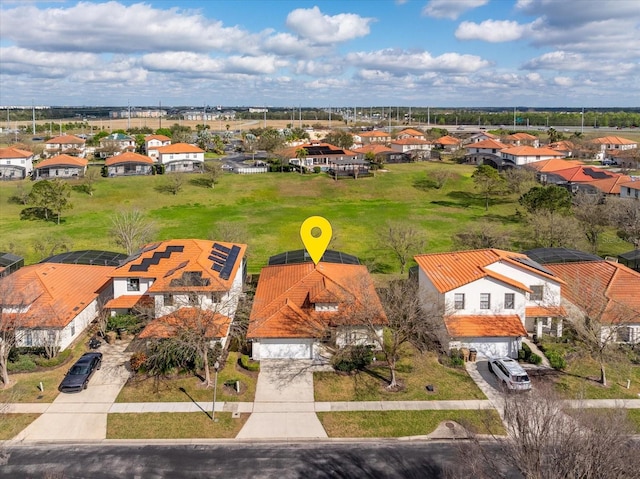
{"x":510,"y":374}
{"x":78,"y":376}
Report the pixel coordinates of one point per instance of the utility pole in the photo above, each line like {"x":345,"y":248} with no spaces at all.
{"x":160,"y":114}
{"x":428,"y":116}
{"x":33,"y":117}
{"x":582,"y":125}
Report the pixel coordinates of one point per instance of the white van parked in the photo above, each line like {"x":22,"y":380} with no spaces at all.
{"x":510,"y":374}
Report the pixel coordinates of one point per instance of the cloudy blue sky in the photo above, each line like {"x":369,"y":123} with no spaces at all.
{"x":546,"y":53}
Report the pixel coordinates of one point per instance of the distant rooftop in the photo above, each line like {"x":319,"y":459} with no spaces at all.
{"x":92,"y":257}
{"x":301,"y":256}
{"x":559,"y":255}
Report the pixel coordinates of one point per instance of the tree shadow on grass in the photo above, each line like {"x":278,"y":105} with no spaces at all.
{"x":201,"y":182}
{"x":183,"y":390}
{"x":425,"y":184}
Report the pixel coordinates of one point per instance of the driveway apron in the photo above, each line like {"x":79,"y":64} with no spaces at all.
{"x":83,"y":415}
{"x":284,"y":404}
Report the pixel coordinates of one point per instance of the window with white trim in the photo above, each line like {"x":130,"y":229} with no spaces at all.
{"x":458,"y":301}
{"x":537,"y":292}
{"x":485,"y":301}
{"x":509,"y":301}
{"x":133,"y":284}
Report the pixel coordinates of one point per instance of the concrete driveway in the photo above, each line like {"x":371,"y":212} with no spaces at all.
{"x":487,"y":382}
{"x":284,"y":404}
{"x":83,"y":415}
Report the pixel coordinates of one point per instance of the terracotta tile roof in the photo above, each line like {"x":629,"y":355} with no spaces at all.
{"x":375,"y":148}
{"x":374,"y":134}
{"x":128,"y":157}
{"x":448,"y":271}
{"x":611,"y":186}
{"x":57,"y":292}
{"x":411,"y":141}
{"x":564,"y":145}
{"x":553,"y":164}
{"x":548,"y":311}
{"x":613,"y":140}
{"x":488,"y":144}
{"x":156,"y":137}
{"x":584,"y":174}
{"x":63,"y":160}
{"x":179,"y":148}
{"x":587,"y":280}
{"x":521,"y":137}
{"x":283,"y":305}
{"x":485,"y":326}
{"x":411,"y":132}
{"x":292,"y":151}
{"x":127,"y":301}
{"x":485,"y":133}
{"x":531,"y":151}
{"x":168,"y":261}
{"x":8,"y":153}
{"x":213,"y":325}
{"x":447,"y":140}
{"x":632,"y":184}
{"x":65,"y":140}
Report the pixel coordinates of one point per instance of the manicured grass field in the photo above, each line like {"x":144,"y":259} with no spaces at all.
{"x":415,"y":371}
{"x":406,"y":423}
{"x":183,"y":388}
{"x":173,"y":426}
{"x":271,"y":207}
{"x":12,"y":424}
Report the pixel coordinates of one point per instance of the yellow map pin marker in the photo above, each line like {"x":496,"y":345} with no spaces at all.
{"x":316,"y":234}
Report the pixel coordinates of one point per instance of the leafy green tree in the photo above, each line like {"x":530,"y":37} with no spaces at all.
{"x":301,"y":154}
{"x":181,"y":134}
{"x":549,"y":198}
{"x":489,"y":182}
{"x":164,"y":131}
{"x":51,"y":195}
{"x":270,"y":140}
{"x":340,"y":138}
{"x":211,"y":172}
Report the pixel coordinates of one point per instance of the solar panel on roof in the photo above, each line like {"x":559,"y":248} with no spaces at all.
{"x":156,"y":258}
{"x":224,"y":259}
{"x":173,"y":270}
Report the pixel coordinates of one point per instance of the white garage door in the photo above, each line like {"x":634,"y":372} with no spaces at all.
{"x":286,"y":349}
{"x":493,"y":347}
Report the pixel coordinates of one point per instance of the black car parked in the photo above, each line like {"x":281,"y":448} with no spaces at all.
{"x":78,"y":376}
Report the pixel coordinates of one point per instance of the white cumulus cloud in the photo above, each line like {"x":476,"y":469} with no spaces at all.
{"x":312,"y":24}
{"x":400,"y":62}
{"x":493,"y":31}
{"x":450,"y":9}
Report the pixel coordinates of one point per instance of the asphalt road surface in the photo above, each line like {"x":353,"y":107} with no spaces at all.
{"x":358,"y":460}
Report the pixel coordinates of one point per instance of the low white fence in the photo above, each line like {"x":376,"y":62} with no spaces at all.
{"x":250,"y":170}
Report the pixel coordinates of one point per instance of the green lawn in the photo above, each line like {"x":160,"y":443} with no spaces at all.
{"x":189,"y":388}
{"x":580,"y":379}
{"x":270,"y":206}
{"x":12,"y":424}
{"x":415,"y":371}
{"x":173,"y":425}
{"x":406,"y":423}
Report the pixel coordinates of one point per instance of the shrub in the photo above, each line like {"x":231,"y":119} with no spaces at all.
{"x":317,"y":169}
{"x":231,"y":382}
{"x":535,"y":359}
{"x":24,"y":363}
{"x":128,"y":322}
{"x":352,"y":358}
{"x":556,"y":360}
{"x":137,"y":360}
{"x":53,"y":362}
{"x":248,"y":364}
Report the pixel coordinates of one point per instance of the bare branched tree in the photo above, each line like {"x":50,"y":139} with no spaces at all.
{"x":625,"y":215}
{"x":403,"y":239}
{"x":543,"y":441}
{"x":130,"y":229}
{"x":550,"y":229}
{"x":592,"y":212}
{"x":483,"y":234}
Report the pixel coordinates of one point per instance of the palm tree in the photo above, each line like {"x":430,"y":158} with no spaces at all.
{"x":301,"y":154}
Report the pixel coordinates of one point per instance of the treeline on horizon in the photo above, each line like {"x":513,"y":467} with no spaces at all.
{"x":481,"y":116}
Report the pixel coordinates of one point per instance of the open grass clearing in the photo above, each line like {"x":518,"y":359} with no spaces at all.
{"x":415,"y":372}
{"x":406,"y":423}
{"x":580,"y":379}
{"x":633,"y":415}
{"x":187,"y":387}
{"x":25,"y":387}
{"x":12,"y":424}
{"x":196,"y":425}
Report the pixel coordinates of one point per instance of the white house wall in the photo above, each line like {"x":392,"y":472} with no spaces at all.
{"x":496,"y":289}
{"x":120,"y":286}
{"x":358,"y":336}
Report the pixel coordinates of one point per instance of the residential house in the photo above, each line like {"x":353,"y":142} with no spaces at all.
{"x":411,"y":133}
{"x":165,"y":277}
{"x":485,"y":152}
{"x":61,"y":166}
{"x":153,"y":142}
{"x":52,"y":304}
{"x":611,"y":186}
{"x":116,"y":143}
{"x":129,"y":163}
{"x":65,"y":144}
{"x":181,"y":157}
{"x":610,"y":144}
{"x":630,"y":189}
{"x":299,"y":306}
{"x":522,"y":155}
{"x":383,"y":154}
{"x":608,"y":291}
{"x":325,"y":156}
{"x":375,"y":136}
{"x":548,"y":166}
{"x":411,"y":145}
{"x":565,"y":147}
{"x":625,"y":158}
{"x":447,"y":143}
{"x":482,"y":136}
{"x":574,"y":176}
{"x":490,"y":298}
{"x":521,"y":139}
{"x":15,"y":164}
